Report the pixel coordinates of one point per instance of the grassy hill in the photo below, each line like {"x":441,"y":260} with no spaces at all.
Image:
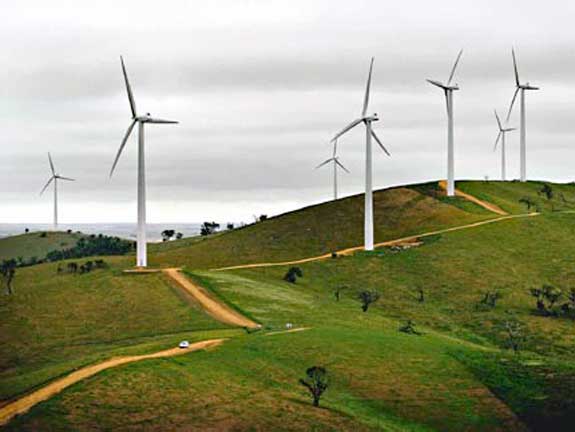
{"x":457,"y":375}
{"x":336,"y":225}
{"x":36,"y":244}
{"x":56,"y":322}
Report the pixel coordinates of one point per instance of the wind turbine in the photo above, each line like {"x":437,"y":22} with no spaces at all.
{"x":55,"y":177}
{"x":141,"y":259}
{"x":522,"y":88}
{"x":369,"y":133}
{"x":448,"y":91}
{"x":336,"y":164}
{"x":501,"y":135}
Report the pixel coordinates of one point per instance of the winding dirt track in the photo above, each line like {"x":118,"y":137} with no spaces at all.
{"x":354,"y":249}
{"x":22,"y":405}
{"x":218,"y":310}
{"x":486,"y":205}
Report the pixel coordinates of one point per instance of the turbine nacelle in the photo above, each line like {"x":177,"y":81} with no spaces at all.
{"x":371,"y":118}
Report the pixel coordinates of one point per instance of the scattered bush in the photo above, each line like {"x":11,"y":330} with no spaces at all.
{"x":43,"y":235}
{"x":230,"y":226}
{"x":420,"y":295}
{"x":316,"y":382}
{"x":514,"y":335}
{"x":547,"y":296}
{"x":409,"y":328}
{"x":168,"y":234}
{"x":547,"y":190}
{"x":366,"y":298}
{"x":528,"y":202}
{"x":8,"y":272}
{"x":489,"y":299}
{"x":292,"y":274}
{"x":209,"y":228}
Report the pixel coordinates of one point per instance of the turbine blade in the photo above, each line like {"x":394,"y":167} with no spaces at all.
{"x":47,"y":184}
{"x":128,"y":89}
{"x":436,"y":83}
{"x":346,"y":129}
{"x":65,"y":178}
{"x":509,"y":129}
{"x":512,"y":102}
{"x":454,"y":67}
{"x":334,"y":148}
{"x":341,"y":166}
{"x":446,"y":100}
{"x":379,"y":142}
{"x":161,"y":121}
{"x":515,"y":67}
{"x":128,"y":132}
{"x":498,"y":120}
{"x":323,"y":163}
{"x":367,"y":88}
{"x":51,"y":164}
{"x":497,"y":140}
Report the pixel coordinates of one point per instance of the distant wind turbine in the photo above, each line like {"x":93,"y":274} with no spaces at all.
{"x":336,"y":164}
{"x":448,"y":91}
{"x":141,"y":259}
{"x":522,"y":88}
{"x":501,"y":136}
{"x":55,"y":177}
{"x":369,"y":133}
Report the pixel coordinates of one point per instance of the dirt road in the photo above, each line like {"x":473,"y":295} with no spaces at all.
{"x":22,"y":405}
{"x":216,"y":309}
{"x":486,"y":205}
{"x":354,"y":249}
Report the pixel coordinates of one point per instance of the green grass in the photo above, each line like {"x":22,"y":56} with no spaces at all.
{"x":34,"y":245}
{"x":321,"y":229}
{"x":455,"y":376}
{"x":55,"y":322}
{"x":507,"y":194}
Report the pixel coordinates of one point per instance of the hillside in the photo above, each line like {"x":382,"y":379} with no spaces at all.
{"x":458,"y":374}
{"x":36,"y":244}
{"x":337,"y":225}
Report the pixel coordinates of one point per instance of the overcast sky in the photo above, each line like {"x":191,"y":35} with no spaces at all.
{"x":260,"y":87}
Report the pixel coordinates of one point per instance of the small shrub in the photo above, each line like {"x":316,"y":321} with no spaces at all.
{"x":409,"y":328}
{"x":514,"y":335}
{"x":292,"y":274}
{"x":366,"y":298}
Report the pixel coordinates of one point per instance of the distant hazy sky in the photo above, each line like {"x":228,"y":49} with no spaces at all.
{"x":259,"y":88}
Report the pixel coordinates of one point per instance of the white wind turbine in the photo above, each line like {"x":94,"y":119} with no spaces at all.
{"x":448,"y":90}
{"x":336,"y":164}
{"x":522,"y":88}
{"x":501,"y":136}
{"x":141,"y":259}
{"x":55,"y":177}
{"x":369,"y":133}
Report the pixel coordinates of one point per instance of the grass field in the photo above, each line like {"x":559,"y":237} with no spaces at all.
{"x":457,"y":375}
{"x":36,"y":244}
{"x":56,"y":322}
{"x":321,"y":229}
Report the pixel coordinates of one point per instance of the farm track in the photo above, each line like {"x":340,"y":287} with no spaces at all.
{"x":212,"y":306}
{"x":23,"y":404}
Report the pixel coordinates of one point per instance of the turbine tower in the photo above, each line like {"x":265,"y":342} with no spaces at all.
{"x":369,"y":133}
{"x":501,"y":136}
{"x":522,"y":88}
{"x":54,"y":178}
{"x":336,"y":164}
{"x":141,"y":259}
{"x":448,"y":91}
